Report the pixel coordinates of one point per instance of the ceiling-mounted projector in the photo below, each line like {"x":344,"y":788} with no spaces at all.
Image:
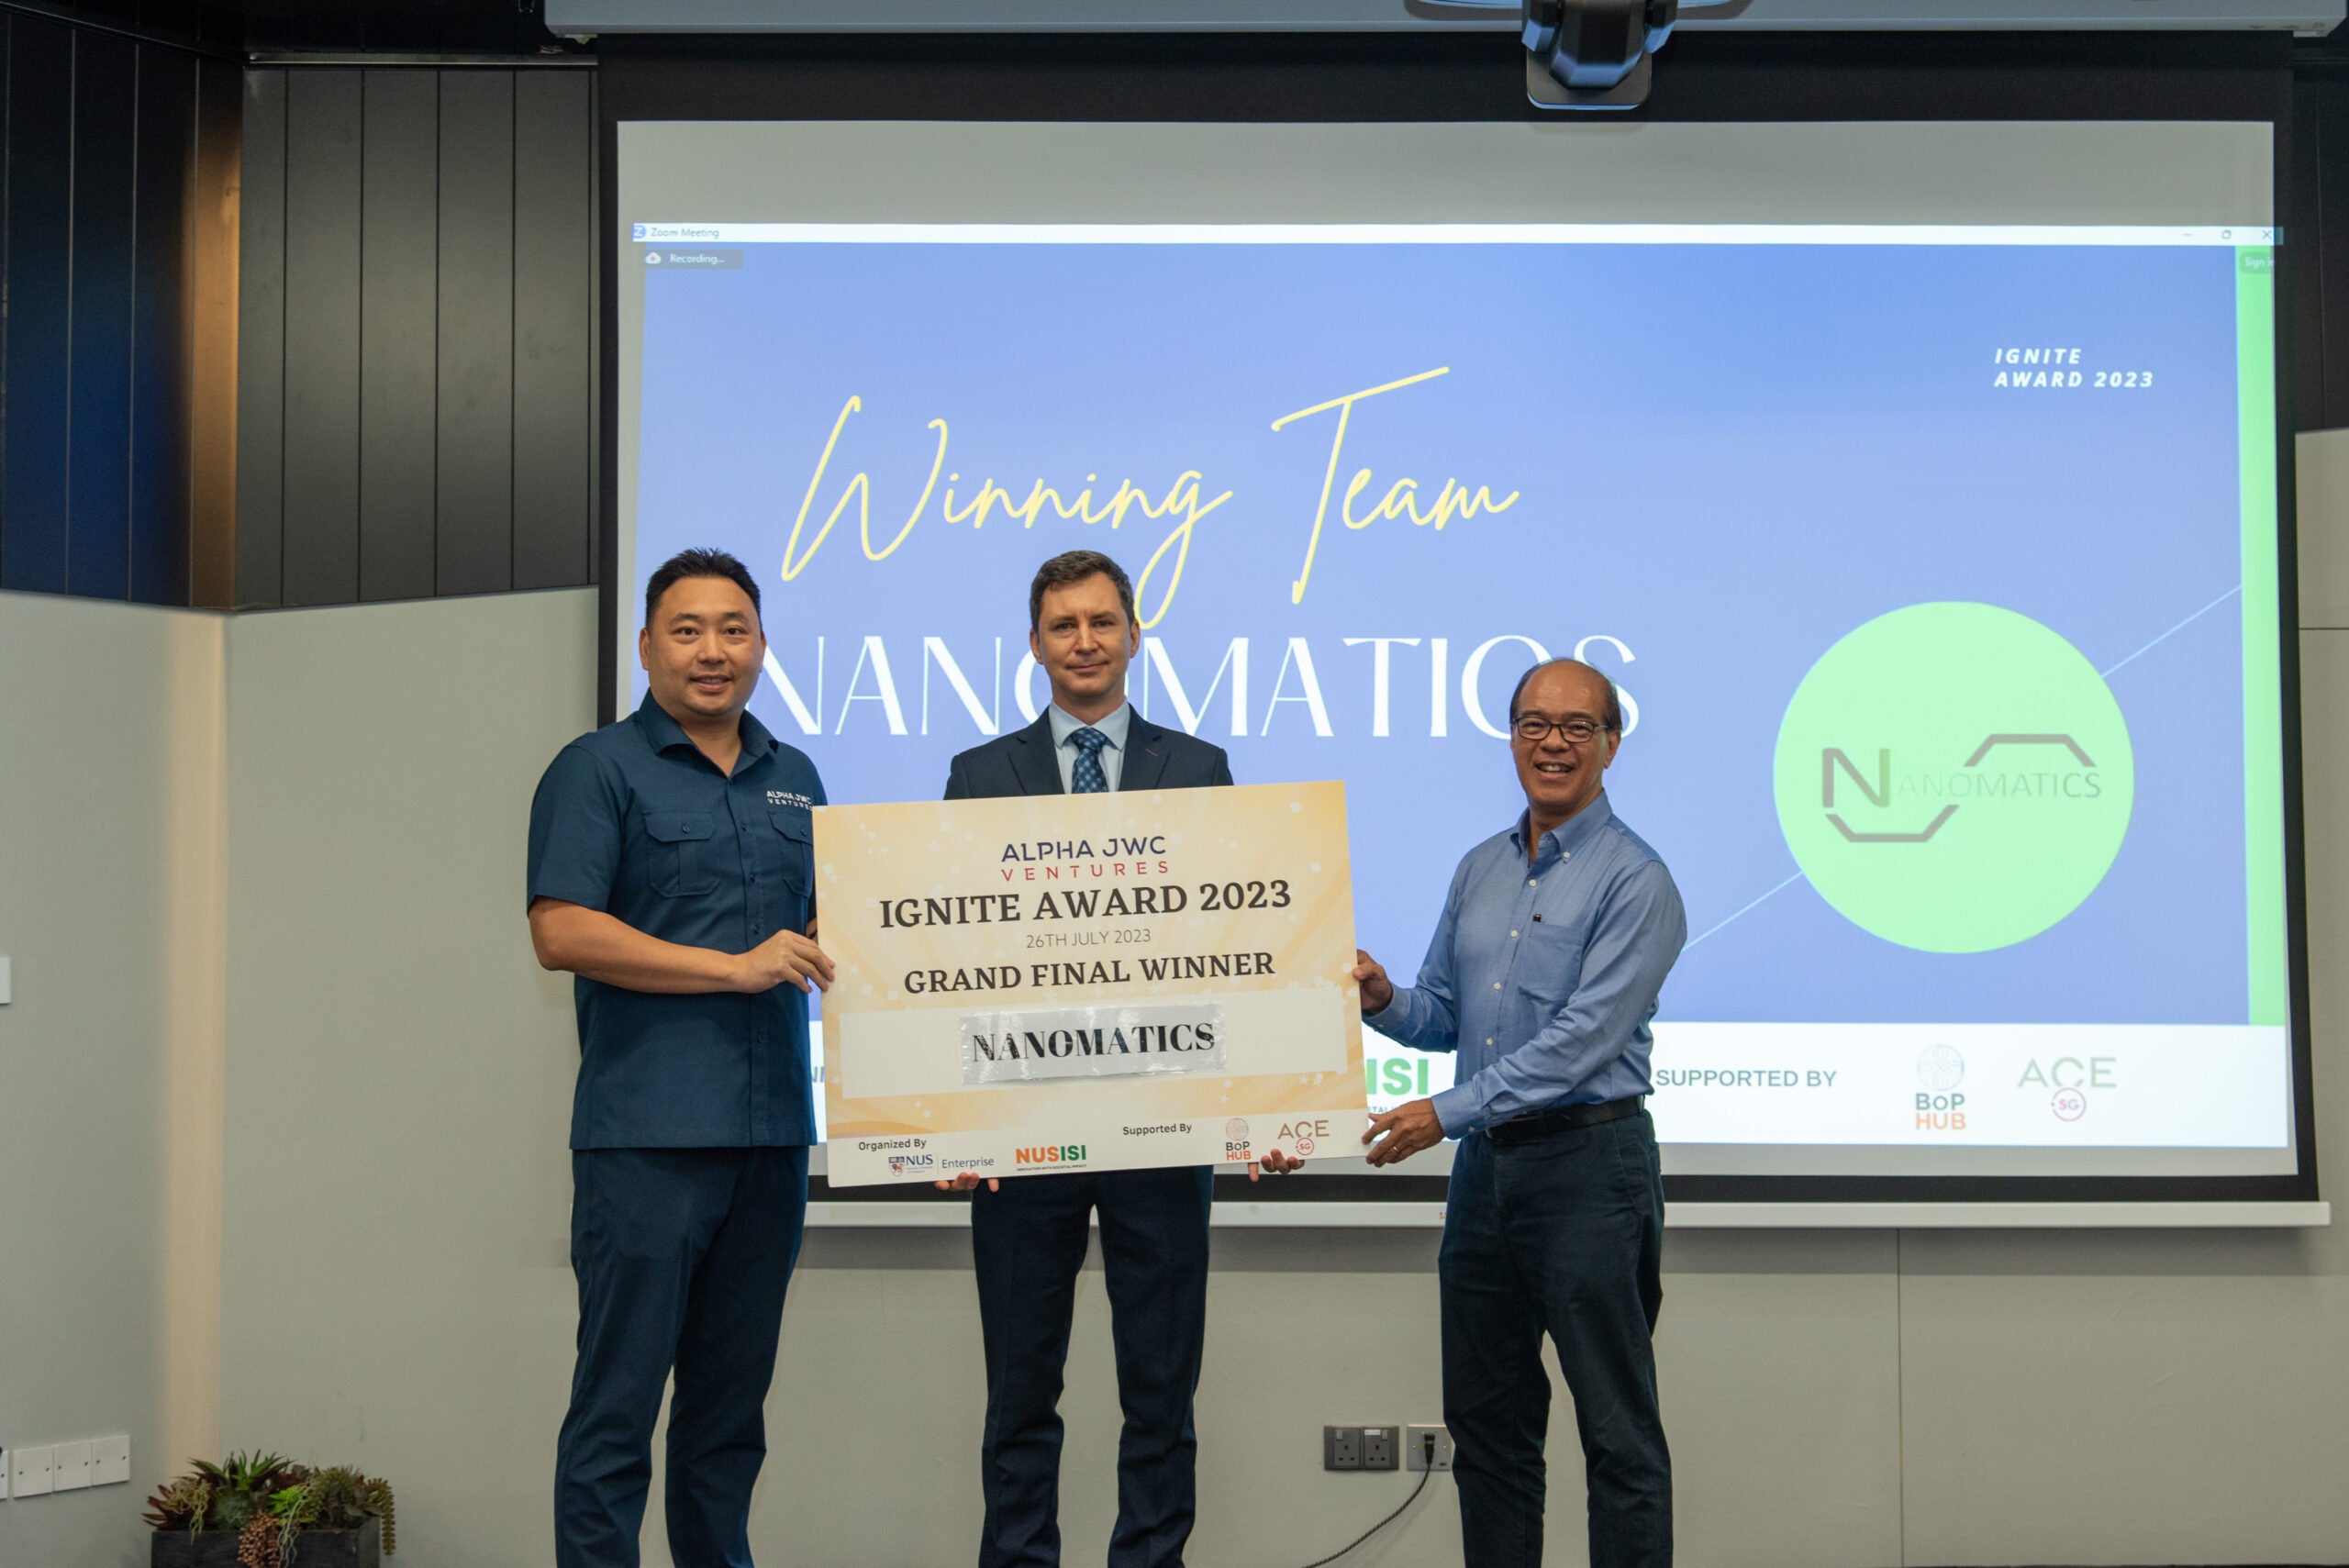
{"x":1594,"y":54}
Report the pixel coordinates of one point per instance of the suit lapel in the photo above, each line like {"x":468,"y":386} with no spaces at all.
{"x":1145,"y":755}
{"x":1032,"y":762}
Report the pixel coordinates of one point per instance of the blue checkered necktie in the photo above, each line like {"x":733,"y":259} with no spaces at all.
{"x":1087,"y":777}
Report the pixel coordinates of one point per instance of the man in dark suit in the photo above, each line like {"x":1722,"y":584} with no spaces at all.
{"x":1027,"y":1235}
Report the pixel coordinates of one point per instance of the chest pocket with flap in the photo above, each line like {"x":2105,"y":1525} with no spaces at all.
{"x":798,"y":830}
{"x":682,"y":864}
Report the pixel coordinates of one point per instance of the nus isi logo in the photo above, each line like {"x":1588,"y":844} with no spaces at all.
{"x":1063,"y":1154}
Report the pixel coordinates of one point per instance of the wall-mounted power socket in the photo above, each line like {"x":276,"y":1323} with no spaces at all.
{"x":29,"y":1472}
{"x":1361,"y":1448}
{"x":1342,"y":1448}
{"x":1427,"y":1448}
{"x":68,"y":1467}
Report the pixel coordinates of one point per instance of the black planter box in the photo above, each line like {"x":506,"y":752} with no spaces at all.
{"x":363,"y":1547}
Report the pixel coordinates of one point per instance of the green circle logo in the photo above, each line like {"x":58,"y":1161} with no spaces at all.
{"x":1954,"y":777}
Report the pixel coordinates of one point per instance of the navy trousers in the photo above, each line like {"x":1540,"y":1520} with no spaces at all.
{"x":1029,"y":1242}
{"x":682,"y":1257}
{"x":1562,"y":1235}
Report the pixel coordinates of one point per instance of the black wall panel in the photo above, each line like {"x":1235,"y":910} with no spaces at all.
{"x":105,"y":88}
{"x":39,"y":261}
{"x":160,"y":363}
{"x":417,"y":348}
{"x":260,"y":346}
{"x":477,"y":283}
{"x":554,"y":317}
{"x":322,"y":248}
{"x":399,"y":296}
{"x":99,"y":206}
{"x":2316,"y":249}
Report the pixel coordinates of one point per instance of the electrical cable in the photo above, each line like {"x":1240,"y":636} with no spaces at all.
{"x":1427,"y":1449}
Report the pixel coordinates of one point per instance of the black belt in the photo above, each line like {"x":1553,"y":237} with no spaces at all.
{"x":1563,"y":1118}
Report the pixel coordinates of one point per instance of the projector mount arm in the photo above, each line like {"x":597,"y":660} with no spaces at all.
{"x":1591,"y":54}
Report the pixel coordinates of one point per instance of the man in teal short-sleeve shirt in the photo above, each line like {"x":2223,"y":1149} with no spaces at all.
{"x":670,"y":870}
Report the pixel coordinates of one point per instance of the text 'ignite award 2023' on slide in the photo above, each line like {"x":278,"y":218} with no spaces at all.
{"x":1047,"y":983}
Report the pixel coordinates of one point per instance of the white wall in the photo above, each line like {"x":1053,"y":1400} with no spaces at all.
{"x":397,"y":1289}
{"x":110,"y":1132}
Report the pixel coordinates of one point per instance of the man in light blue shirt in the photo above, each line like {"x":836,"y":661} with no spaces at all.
{"x":1555,"y":938}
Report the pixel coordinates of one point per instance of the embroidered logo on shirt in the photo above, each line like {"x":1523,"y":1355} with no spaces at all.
{"x":787,"y":797}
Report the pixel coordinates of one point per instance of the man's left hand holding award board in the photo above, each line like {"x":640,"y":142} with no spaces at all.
{"x":1035,"y":984}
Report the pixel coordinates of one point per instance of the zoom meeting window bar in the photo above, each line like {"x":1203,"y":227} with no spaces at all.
{"x":1915,"y":484}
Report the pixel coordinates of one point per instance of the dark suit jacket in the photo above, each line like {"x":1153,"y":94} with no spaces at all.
{"x":1022,"y":762}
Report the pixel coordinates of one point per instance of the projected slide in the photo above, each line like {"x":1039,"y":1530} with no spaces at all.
{"x":1936,"y":567}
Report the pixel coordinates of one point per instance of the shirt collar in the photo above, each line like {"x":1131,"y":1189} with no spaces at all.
{"x":1065,"y":724}
{"x":665,"y":732}
{"x":1572,"y":834}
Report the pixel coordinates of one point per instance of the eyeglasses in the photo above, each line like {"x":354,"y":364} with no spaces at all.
{"x":1533,"y":728}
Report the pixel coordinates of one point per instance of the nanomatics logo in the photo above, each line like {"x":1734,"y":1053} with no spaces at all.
{"x":2005,"y":781}
{"x":1051,"y":1154}
{"x":1954,"y":777}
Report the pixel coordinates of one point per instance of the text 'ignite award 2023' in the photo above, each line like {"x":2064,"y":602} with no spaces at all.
{"x":1047,"y":983}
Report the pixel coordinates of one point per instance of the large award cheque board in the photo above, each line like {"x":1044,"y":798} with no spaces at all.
{"x":1089,"y":981}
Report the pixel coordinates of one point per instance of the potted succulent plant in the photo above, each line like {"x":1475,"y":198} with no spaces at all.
{"x":261,"y":1510}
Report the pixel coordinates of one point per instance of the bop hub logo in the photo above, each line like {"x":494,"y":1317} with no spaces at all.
{"x":1955,"y":778}
{"x":1940,"y":1107}
{"x":1235,"y":1138}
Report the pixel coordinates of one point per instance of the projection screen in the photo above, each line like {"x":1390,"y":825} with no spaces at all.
{"x":1916,"y":482}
